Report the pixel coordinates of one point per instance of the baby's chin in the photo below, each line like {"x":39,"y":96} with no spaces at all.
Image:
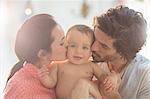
{"x":77,"y":62}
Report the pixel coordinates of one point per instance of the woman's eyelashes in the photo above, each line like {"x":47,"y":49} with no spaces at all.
{"x":62,"y":44}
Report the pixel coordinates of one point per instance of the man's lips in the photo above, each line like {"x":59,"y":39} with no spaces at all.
{"x":94,"y":55}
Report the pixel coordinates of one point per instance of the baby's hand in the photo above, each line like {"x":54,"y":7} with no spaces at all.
{"x":43,"y":74}
{"x":111,"y":82}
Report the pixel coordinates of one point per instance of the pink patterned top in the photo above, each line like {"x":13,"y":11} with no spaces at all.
{"x":26,"y":85}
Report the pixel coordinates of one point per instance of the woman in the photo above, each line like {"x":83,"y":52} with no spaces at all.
{"x":39,"y":41}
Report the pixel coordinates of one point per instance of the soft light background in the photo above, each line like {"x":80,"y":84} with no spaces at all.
{"x":67,"y":12}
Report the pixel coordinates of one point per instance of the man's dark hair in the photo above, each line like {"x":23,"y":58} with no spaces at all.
{"x":127,"y":27}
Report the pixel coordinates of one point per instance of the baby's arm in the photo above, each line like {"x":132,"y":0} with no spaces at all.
{"x":48,"y":78}
{"x":109,"y":80}
{"x":98,"y":72}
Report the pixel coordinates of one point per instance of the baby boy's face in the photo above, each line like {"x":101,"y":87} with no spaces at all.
{"x":79,"y":47}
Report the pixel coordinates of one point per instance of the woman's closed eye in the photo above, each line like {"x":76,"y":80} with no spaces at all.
{"x":62,"y":43}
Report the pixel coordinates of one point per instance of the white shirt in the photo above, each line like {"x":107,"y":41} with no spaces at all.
{"x":136,"y":79}
{"x":135,"y":82}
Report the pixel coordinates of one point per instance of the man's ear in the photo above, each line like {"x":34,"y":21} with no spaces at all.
{"x":42,"y":53}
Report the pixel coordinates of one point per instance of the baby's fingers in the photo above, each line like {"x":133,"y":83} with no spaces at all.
{"x":110,"y":88}
{"x":107,"y":85}
{"x":106,"y":80}
{"x":43,"y":74}
{"x":43,"y":69}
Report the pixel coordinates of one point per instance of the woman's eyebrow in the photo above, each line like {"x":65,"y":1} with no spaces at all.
{"x":62,"y":38}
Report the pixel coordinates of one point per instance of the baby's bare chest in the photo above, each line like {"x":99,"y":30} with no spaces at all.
{"x":68,"y":76}
{"x":76,"y":72}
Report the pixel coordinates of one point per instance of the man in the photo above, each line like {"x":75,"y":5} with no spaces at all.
{"x":120,"y":34}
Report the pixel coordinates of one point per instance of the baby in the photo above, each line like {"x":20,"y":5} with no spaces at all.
{"x":64,"y":76}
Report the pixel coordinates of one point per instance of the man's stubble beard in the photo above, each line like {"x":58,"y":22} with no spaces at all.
{"x":97,"y":58}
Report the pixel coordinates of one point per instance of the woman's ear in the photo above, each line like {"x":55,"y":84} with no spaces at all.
{"x":42,"y":54}
{"x":44,"y":57}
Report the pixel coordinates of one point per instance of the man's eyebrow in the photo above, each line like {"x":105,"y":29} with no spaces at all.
{"x":104,"y":45}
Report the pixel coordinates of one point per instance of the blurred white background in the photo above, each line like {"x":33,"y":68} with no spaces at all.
{"x":67,"y":12}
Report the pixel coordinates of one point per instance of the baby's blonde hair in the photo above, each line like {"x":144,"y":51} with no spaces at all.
{"x":83,"y":29}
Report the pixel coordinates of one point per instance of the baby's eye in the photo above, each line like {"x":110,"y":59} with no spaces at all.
{"x":85,"y":47}
{"x":72,"y":45}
